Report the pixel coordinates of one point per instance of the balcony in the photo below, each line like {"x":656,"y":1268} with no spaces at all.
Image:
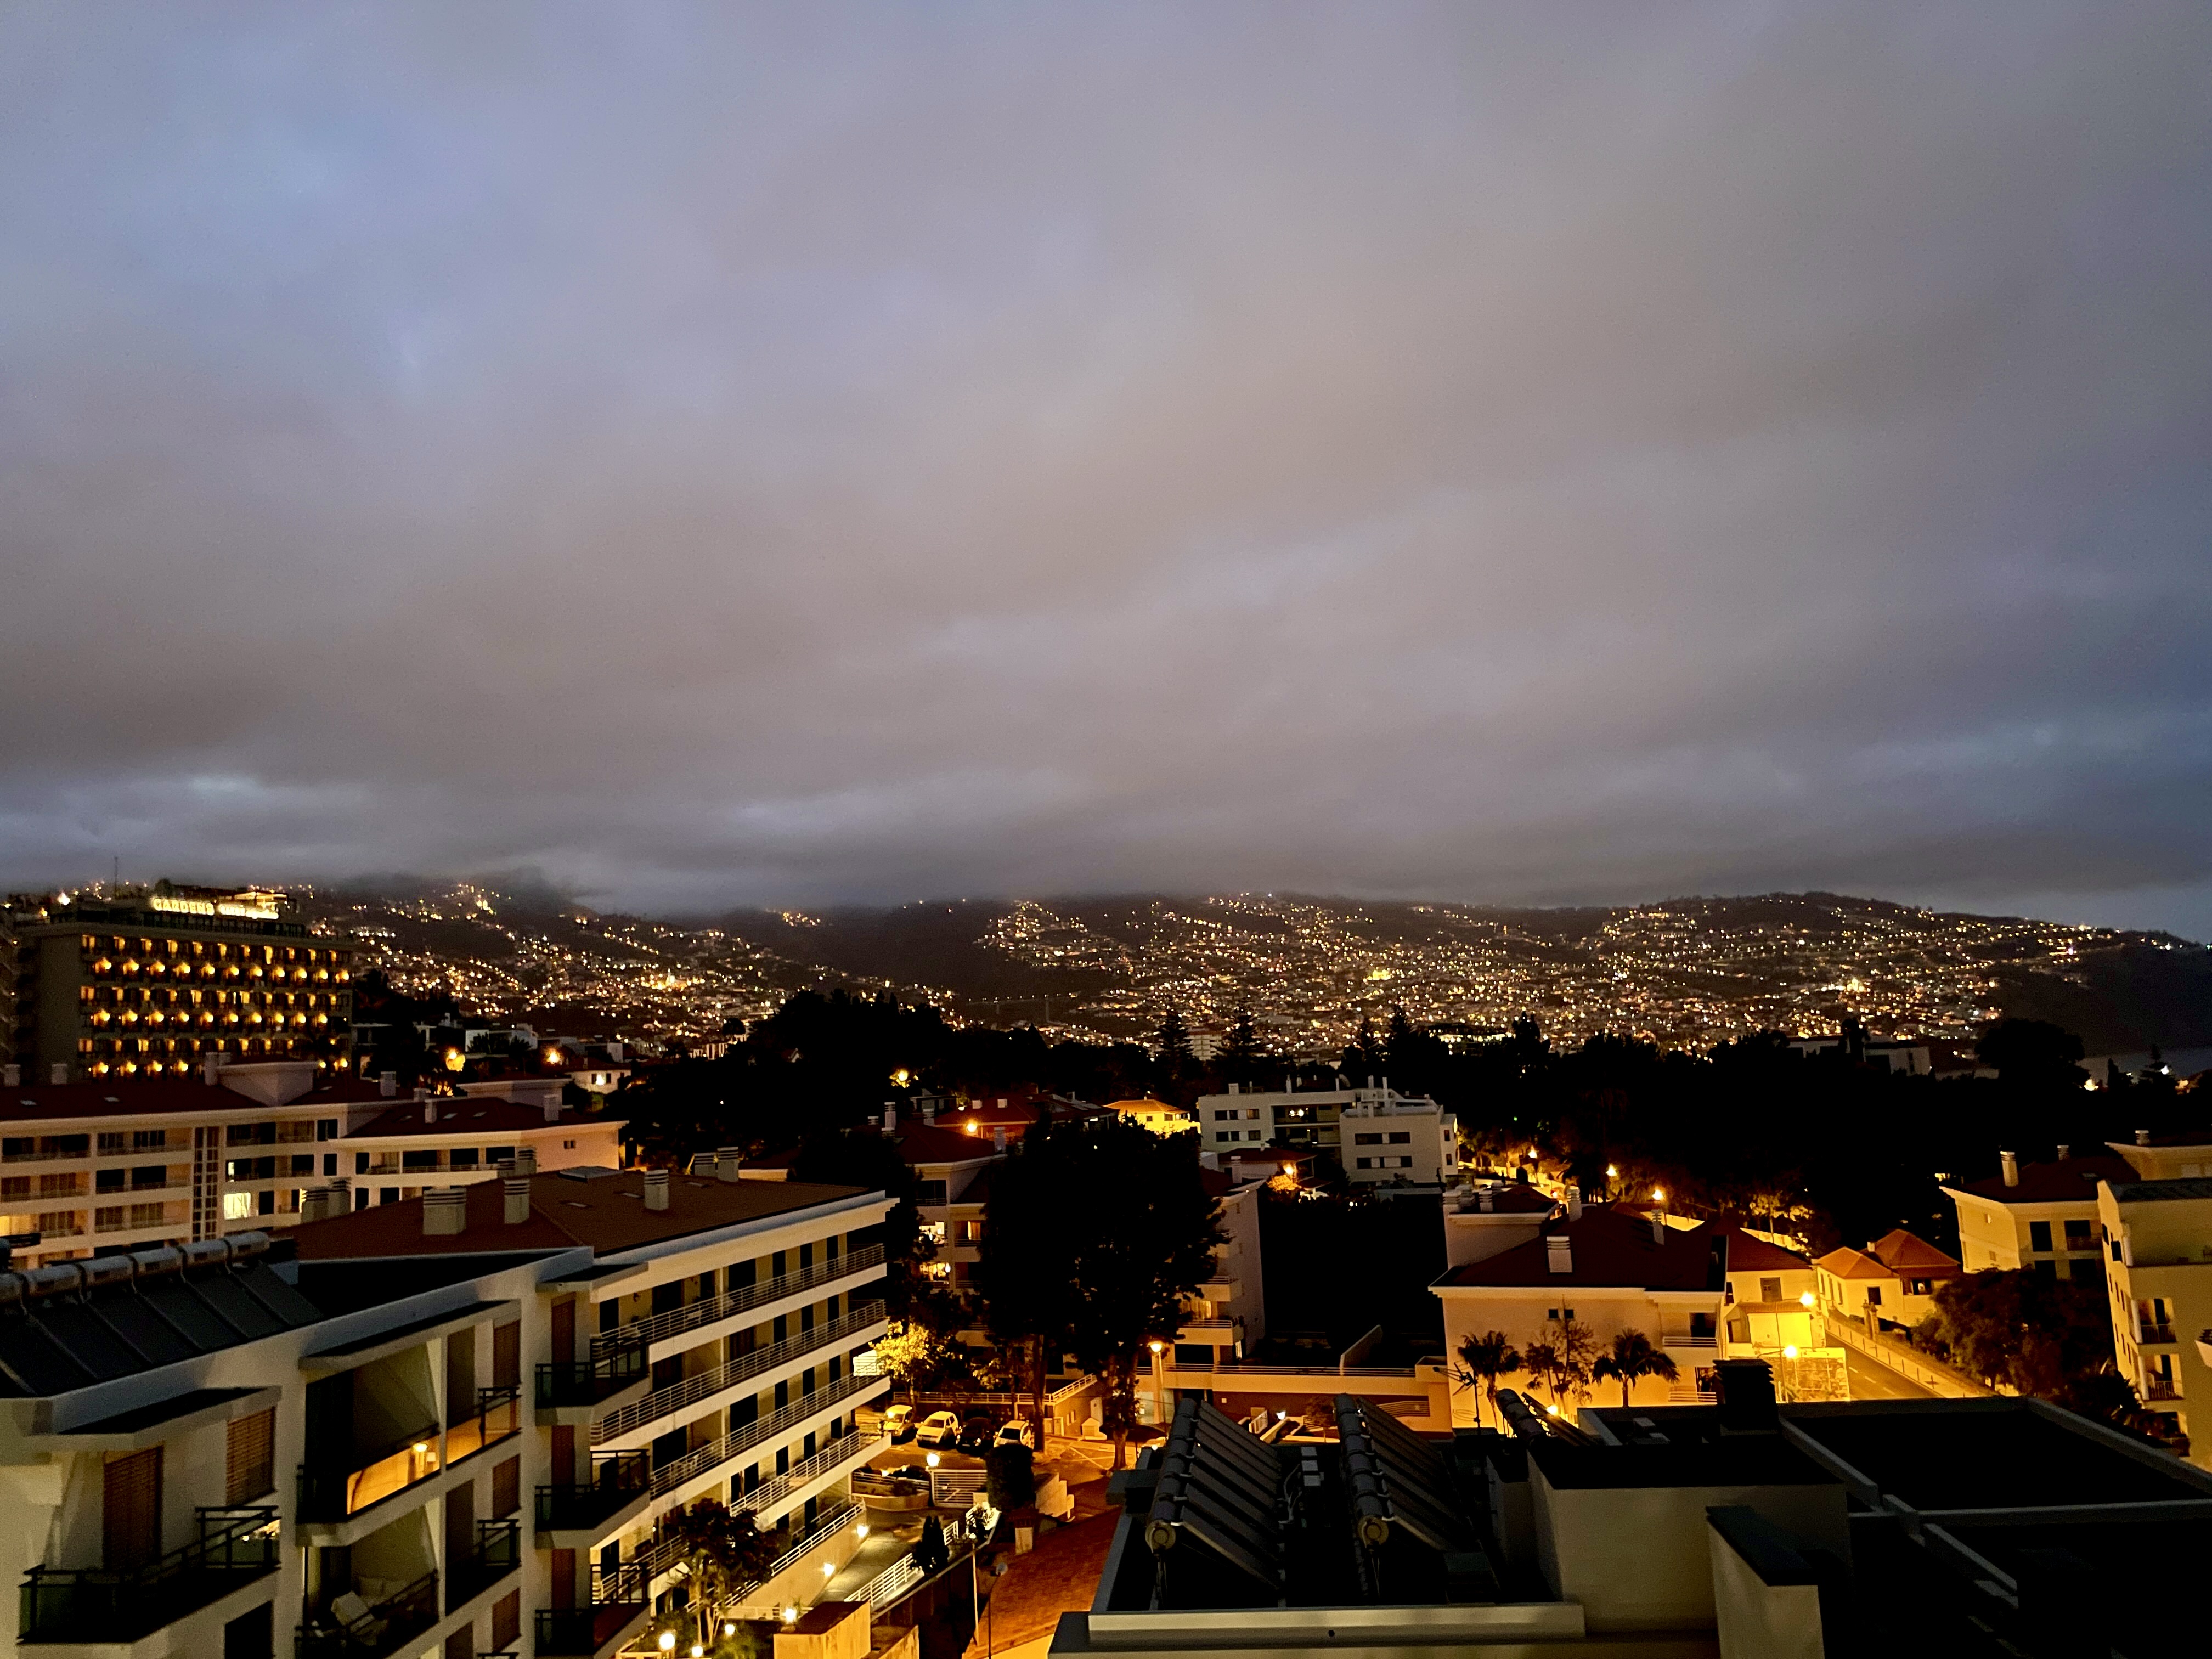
{"x":498,"y":1415}
{"x":351,"y":1629}
{"x":86,"y":1604}
{"x":715,"y":1309}
{"x":574,"y":1382}
{"x":759,"y":1362}
{"x":759,"y":1432}
{"x":498,"y":1552}
{"x":333,"y":1495}
{"x":618,"y":1479}
{"x":564,"y":1631}
{"x":2154,"y":1333}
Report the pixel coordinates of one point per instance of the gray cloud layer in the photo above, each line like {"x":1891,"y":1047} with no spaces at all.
{"x":1543,"y":453}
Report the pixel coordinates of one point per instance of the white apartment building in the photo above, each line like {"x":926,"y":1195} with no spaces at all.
{"x":2040,"y":1217}
{"x":113,"y":1165}
{"x":1230,"y":1308}
{"x":2158,"y":1279}
{"x":705,"y":1350}
{"x":1377,"y":1133}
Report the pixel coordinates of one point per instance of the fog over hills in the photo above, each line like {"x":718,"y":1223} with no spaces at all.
{"x":1683,"y":972}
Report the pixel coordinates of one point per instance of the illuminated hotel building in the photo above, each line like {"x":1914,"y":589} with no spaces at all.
{"x":144,"y":982}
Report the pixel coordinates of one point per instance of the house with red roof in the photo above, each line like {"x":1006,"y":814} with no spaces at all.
{"x":1891,"y":1282}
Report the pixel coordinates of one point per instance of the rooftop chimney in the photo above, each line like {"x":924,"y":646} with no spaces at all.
{"x":656,"y":1189}
{"x":1658,"y":1226}
{"x":929,"y":1108}
{"x":2011,"y":1166}
{"x":445,"y":1212}
{"x":342,"y":1196}
{"x":11,"y":1077}
{"x":890,"y":1116}
{"x":998,"y":1137}
{"x":2142,"y":1137}
{"x":430,"y":1111}
{"x":1574,"y":1203}
{"x":525,"y":1160}
{"x":729,"y":1163}
{"x":1233,"y":1089}
{"x":517,"y":1188}
{"x":1486,"y":1201}
{"x":2064,"y":1152}
{"x":387,"y":1083}
{"x":1559,"y":1252}
{"x":315,"y":1204}
{"x":210,"y":1068}
{"x":58,"y":1071}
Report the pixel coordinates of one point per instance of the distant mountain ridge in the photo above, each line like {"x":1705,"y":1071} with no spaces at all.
{"x":1684,"y":972}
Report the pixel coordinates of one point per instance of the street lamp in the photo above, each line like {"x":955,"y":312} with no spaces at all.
{"x":930,"y":1458}
{"x":1160,"y":1383}
{"x":668,"y":1641}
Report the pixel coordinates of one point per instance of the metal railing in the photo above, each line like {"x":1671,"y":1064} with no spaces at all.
{"x":743,"y":1439}
{"x":714,"y":1310}
{"x":588,"y":1382}
{"x":893,"y":1581}
{"x":2156,"y":1333}
{"x":692,"y":1390}
{"x":617,"y":1477}
{"x":498,"y":1552}
{"x":91,"y":1604}
{"x":498,"y":1415}
{"x":389,"y":1624}
{"x":328,"y":1494}
{"x":575,"y":1630}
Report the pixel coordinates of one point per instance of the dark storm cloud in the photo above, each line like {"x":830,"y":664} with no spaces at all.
{"x":1545,"y":453}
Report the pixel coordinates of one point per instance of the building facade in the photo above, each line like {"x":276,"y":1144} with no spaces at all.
{"x":113,"y":1165}
{"x":1377,"y":1135}
{"x":2040,"y":1217}
{"x":2158,"y":1279}
{"x":146,"y":982}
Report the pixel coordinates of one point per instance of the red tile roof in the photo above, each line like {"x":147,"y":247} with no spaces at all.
{"x":2073,"y":1179}
{"x":608,"y":1214}
{"x":469,"y":1115}
{"x":1910,"y":1256}
{"x":1513,"y":1197}
{"x":1747,"y":1255}
{"x":1610,"y":1247}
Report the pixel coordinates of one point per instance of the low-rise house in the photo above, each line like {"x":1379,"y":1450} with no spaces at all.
{"x":1158,"y":1115}
{"x":1604,"y":1269}
{"x":1891,"y":1282}
{"x":2041,"y":1217}
{"x":2180,"y":1157}
{"x":1771,"y":1296}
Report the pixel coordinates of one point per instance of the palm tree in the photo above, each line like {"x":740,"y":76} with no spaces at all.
{"x":1482,"y":1360}
{"x":1541,"y":1361}
{"x":1633,"y":1357}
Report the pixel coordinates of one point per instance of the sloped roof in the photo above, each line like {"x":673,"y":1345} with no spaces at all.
{"x":1909,"y":1252}
{"x":1608,"y":1248}
{"x":1845,"y":1263}
{"x":1750,"y":1255}
{"x":470,"y":1115}
{"x":2074,"y":1180}
{"x":607,"y":1213}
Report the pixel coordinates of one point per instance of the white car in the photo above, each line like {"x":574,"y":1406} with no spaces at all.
{"x":938,"y":1428}
{"x":1017,"y":1433}
{"x":899,"y":1424}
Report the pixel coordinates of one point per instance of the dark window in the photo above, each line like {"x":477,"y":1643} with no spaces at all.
{"x":303,"y":1164}
{"x":148,"y":1140}
{"x":361,"y":1163}
{"x":507,"y":1487}
{"x":465,"y":1157}
{"x":330,"y":1163}
{"x":1874,"y":1296}
{"x":387,"y":1194}
{"x":1402,"y":1137}
{"x":926,"y":1194}
{"x":2079,"y":1236}
{"x":412,"y":1161}
{"x":107,"y":1181}
{"x":251,"y":1635}
{"x":148,"y":1176}
{"x":326,"y":1128}
{"x":264,"y":1202}
{"x":1770,"y":1289}
{"x":1193,"y":1353}
{"x":498,"y":1154}
{"x":1367,"y":1140}
{"x":506,"y":1354}
{"x":2039,"y":1235}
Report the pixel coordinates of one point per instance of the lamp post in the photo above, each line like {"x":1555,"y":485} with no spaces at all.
{"x":1159,"y":1383}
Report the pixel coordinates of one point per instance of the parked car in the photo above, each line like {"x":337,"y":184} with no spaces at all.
{"x":899,"y":1424}
{"x":977,"y":1434}
{"x":1020,"y":1433}
{"x":938,"y":1428}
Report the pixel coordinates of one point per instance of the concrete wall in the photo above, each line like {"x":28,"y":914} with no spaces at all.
{"x":1758,"y":1620}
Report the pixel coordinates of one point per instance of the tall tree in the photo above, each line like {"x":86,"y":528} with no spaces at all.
{"x":1175,"y":1058}
{"x":1238,"y":1060}
{"x":722,"y":1553}
{"x":1025,"y":1265}
{"x":1142,"y":1229}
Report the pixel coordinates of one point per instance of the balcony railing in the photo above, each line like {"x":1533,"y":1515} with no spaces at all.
{"x":498,"y":1415}
{"x":327,"y":1495}
{"x":498,"y":1552}
{"x":692,"y":1390}
{"x":2156,"y":1333}
{"x":617,"y":1479}
{"x":72,"y":1604}
{"x":374,"y":1631}
{"x":588,"y":1382}
{"x":743,"y":1439}
{"x":661,"y":1556}
{"x":715,"y":1309}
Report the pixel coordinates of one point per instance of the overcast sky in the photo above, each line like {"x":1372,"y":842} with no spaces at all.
{"x":718,"y":456}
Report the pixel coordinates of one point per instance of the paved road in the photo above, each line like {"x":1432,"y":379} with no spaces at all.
{"x":1870,"y":1380}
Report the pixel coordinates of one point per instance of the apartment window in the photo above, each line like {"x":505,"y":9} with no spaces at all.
{"x":131,"y":1510}
{"x":330,"y":1163}
{"x":1367,"y":1140}
{"x":148,"y":1140}
{"x":418,"y":1161}
{"x":567,"y":1145}
{"x":108,"y":1218}
{"x":387,"y":1194}
{"x":1224,"y":1117}
{"x":1874,"y":1296}
{"x":2039,"y":1235}
{"x":361,"y":1163}
{"x":1364,"y":1164}
{"x":326,"y":1128}
{"x":148,"y":1215}
{"x":1403,"y":1163}
{"x":108,"y":1181}
{"x":236,"y":1207}
{"x":110,"y":1143}
{"x":303,"y":1164}
{"x":465,"y":1157}
{"x":1401,"y":1138}
{"x":1770,"y":1289}
{"x":250,"y":1468}
{"x":2080,"y":1236}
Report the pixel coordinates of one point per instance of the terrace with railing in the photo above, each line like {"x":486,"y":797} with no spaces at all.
{"x":759,"y":1432}
{"x":588,"y":1382}
{"x":351,"y":1629}
{"x":713,"y":1310}
{"x":95,"y":1605}
{"x":692,"y":1390}
{"x":617,"y":1480}
{"x":497,"y":1552}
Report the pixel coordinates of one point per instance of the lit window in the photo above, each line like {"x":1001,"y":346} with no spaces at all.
{"x":236,"y":1207}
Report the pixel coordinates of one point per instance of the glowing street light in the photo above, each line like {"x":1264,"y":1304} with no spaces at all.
{"x":1806,"y":1300}
{"x":930,"y":1458}
{"x":668,"y":1641}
